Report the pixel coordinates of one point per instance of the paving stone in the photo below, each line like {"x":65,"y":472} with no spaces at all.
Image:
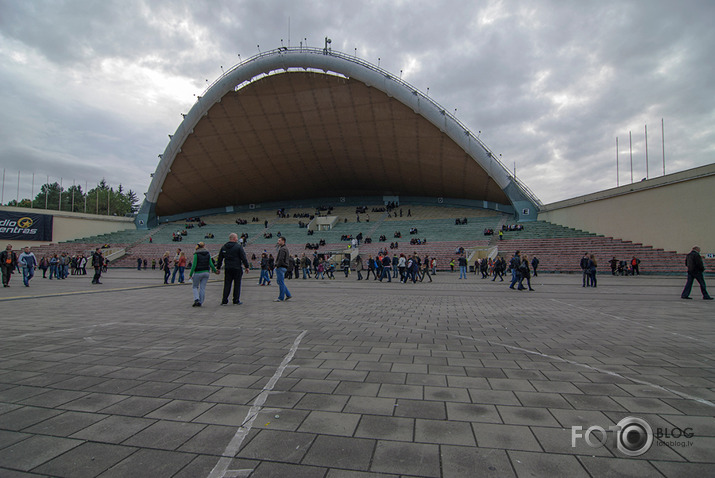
{"x":444,"y":432}
{"x":53,"y":398}
{"x":8,"y":438}
{"x":181,"y":410}
{"x":136,"y":406}
{"x":341,"y":452}
{"x":507,"y":437}
{"x":235,"y":396}
{"x":191,"y":392}
{"x":330,"y":423}
{"x":470,"y":412}
{"x":165,"y":435}
{"x":211,"y":440}
{"x":541,"y":464}
{"x":21,"y":393}
{"x":153,"y":389}
{"x":147,"y":462}
{"x":672,"y":469}
{"x":273,"y":445}
{"x":386,"y":428}
{"x":86,"y":460}
{"x":401,"y":391}
{"x":333,"y":473}
{"x":584,"y":418}
{"x":542,"y":399}
{"x":447,"y":394}
{"x":282,"y":399}
{"x":287,"y":419}
{"x":460,"y":461}
{"x":34,"y":451}
{"x":406,"y":458}
{"x":25,"y":417}
{"x":93,"y":402}
{"x":321,"y":401}
{"x":526,"y":416}
{"x":272,"y":470}
{"x":593,"y":402}
{"x":645,"y":405}
{"x":420,"y":409}
{"x":113,"y":429}
{"x":370,"y":405}
{"x":599,"y":466}
{"x":66,"y":423}
{"x":315,"y":386}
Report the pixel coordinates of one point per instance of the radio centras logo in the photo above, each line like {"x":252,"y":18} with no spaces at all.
{"x":21,"y":226}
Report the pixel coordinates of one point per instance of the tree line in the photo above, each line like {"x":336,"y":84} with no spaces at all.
{"x":101,"y":199}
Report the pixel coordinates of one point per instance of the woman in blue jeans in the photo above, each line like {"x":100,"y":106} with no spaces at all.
{"x":200,"y":271}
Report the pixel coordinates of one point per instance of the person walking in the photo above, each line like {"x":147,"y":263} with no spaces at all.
{"x":386,"y":269}
{"x":28,"y":262}
{"x":201,"y":266}
{"x":535,"y":264}
{"x":281,"y":265}
{"x":234,"y":255}
{"x":44,"y":265}
{"x":263,"y":278}
{"x":97,"y":263}
{"x":514,"y":265}
{"x":426,"y":269}
{"x":525,"y":274}
{"x":696,"y":267}
{"x":8,"y":262}
{"x":359,"y":266}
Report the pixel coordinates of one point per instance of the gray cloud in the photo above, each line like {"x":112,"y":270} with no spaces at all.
{"x":91,"y":89}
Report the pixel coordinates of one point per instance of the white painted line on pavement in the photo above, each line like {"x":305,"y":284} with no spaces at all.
{"x":221,"y":469}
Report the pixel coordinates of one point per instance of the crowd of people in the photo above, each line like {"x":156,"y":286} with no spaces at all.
{"x":53,"y":266}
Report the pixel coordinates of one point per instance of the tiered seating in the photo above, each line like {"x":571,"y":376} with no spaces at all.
{"x":559,"y":248}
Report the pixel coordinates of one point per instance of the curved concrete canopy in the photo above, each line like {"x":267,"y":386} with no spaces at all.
{"x":302,"y":123}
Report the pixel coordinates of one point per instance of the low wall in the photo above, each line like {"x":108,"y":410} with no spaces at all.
{"x":67,"y":226}
{"x":672,"y":212}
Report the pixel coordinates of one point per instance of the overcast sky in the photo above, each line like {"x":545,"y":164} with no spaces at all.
{"x":91,"y":89}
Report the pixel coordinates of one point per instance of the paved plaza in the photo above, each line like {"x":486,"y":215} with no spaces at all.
{"x":457,"y":378}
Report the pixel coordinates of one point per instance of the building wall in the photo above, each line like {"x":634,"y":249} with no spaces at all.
{"x":672,"y":212}
{"x":67,"y":226}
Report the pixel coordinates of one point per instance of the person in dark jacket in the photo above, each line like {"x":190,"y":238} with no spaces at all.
{"x":234,"y":255}
{"x":696,"y":267}
{"x":535,"y":264}
{"x":584,"y":269}
{"x":97,"y":263}
{"x":201,"y":267}
{"x":514,"y":265}
{"x":8,"y":263}
{"x":525,"y":273}
{"x":282,"y":264}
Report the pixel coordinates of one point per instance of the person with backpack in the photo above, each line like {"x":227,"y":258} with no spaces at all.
{"x":201,"y":267}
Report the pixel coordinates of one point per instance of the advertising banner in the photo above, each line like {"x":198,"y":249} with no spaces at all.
{"x":25,"y":227}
